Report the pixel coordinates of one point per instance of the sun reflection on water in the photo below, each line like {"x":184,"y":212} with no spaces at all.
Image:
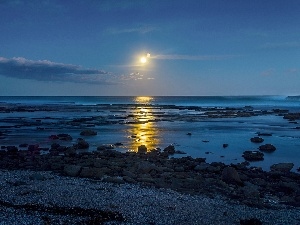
{"x":141,"y":128}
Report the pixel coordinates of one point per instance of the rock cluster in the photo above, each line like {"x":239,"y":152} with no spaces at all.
{"x":251,"y":186}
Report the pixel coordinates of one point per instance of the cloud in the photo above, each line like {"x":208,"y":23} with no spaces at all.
{"x":268,"y":72}
{"x":294,"y":44}
{"x":141,"y":30}
{"x":44,"y":70}
{"x":193,"y":57}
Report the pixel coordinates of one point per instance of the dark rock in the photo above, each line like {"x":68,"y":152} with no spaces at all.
{"x":205,"y":141}
{"x":23,"y":145}
{"x":12,"y":149}
{"x":264,"y":134}
{"x":252,"y":221}
{"x":118,"y":144}
{"x":282,"y":167}
{"x":115,"y":180}
{"x":189,"y":134}
{"x":64,"y":137}
{"x":267,"y":148}
{"x":225,"y":145}
{"x":253,"y":155}
{"x":88,"y":133}
{"x":180,"y":152}
{"x":257,"y":140}
{"x":201,"y":167}
{"x":82,"y":144}
{"x":170,"y":149}
{"x":231,"y":176}
{"x":142,"y":149}
{"x":70,"y":151}
{"x":55,"y":146}
{"x":72,"y":170}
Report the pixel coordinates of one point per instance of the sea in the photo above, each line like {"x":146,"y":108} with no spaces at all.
{"x":156,"y":122}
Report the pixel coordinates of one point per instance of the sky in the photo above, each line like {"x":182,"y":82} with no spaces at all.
{"x":191,"y":47}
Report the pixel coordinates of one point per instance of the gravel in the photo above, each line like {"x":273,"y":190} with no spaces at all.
{"x":137,"y":204}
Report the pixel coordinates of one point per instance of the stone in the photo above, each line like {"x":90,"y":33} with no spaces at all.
{"x":253,"y":155}
{"x":257,"y":140}
{"x":88,"y":133}
{"x":72,"y":170}
{"x":64,"y":137}
{"x":170,"y":149}
{"x":231,"y":176}
{"x":142,"y":149}
{"x":145,"y":167}
{"x":70,"y":151}
{"x":225,"y":145}
{"x":282,"y":167}
{"x":82,"y":144}
{"x":267,"y":148}
{"x":252,"y":221}
{"x":91,"y":172}
{"x":201,"y":167}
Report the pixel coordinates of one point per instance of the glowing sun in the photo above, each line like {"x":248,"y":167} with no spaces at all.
{"x":143,"y":60}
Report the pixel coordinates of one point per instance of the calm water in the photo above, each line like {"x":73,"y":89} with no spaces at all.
{"x":208,"y":135}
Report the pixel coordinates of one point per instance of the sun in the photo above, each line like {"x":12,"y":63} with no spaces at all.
{"x":143,"y":60}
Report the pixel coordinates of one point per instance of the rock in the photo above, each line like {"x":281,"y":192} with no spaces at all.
{"x":179,"y":169}
{"x":170,"y":149}
{"x":189,"y":134}
{"x":88,"y":133}
{"x":70,"y":151}
{"x":23,"y":145}
{"x":105,"y":147}
{"x":145,"y":167}
{"x":55,"y":146}
{"x":72,"y":170}
{"x":37,"y":176}
{"x":142,"y":149}
{"x":257,"y":140}
{"x":253,"y":155}
{"x":267,"y":148}
{"x":115,"y":180}
{"x":252,"y":221}
{"x":180,"y":152}
{"x":263,"y":134}
{"x":225,"y":145}
{"x":91,"y":172}
{"x":64,"y":137}
{"x":231,"y":176}
{"x":201,"y":167}
{"x":282,"y":167}
{"x":82,"y":144}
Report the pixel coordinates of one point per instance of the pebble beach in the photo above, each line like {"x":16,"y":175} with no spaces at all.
{"x":133,"y":204}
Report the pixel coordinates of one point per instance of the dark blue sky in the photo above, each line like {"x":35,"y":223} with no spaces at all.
{"x":89,"y":47}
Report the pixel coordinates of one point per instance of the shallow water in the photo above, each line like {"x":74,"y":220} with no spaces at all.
{"x":154,"y":122}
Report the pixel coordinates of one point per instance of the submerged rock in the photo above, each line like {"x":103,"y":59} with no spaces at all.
{"x":267,"y":148}
{"x":88,"y":133}
{"x":253,"y":155}
{"x":257,"y":140}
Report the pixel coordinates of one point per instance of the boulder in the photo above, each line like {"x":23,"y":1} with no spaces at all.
{"x":225,"y":145}
{"x":282,"y":167}
{"x":142,"y":149}
{"x":267,"y":148}
{"x":257,"y":140}
{"x":231,"y":176}
{"x":170,"y":149}
{"x":64,"y":137}
{"x":72,"y":170}
{"x":82,"y":144}
{"x":253,"y":155}
{"x":88,"y":133}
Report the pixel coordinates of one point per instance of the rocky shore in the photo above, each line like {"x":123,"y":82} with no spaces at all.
{"x":150,"y":179}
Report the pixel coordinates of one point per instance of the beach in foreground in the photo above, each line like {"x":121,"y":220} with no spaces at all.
{"x":29,"y":197}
